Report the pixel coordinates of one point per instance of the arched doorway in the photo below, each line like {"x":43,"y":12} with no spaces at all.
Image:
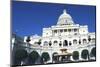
{"x":85,"y":54}
{"x":65,"y":43}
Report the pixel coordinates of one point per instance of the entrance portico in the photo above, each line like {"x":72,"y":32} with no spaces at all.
{"x":64,"y":56}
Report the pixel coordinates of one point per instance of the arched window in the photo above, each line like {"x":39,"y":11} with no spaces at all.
{"x":84,"y":41}
{"x":55,"y":43}
{"x":45,"y":43}
{"x":65,"y":43}
{"x":75,"y":30}
{"x":74,"y":41}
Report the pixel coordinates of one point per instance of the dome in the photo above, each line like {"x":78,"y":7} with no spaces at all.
{"x":64,"y":15}
{"x":65,"y":18}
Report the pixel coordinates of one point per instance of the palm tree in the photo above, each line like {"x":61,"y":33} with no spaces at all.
{"x":20,"y":55}
{"x":33,"y":56}
{"x":75,"y":55}
{"x":85,"y":54}
{"x":93,"y":52}
{"x":45,"y":57}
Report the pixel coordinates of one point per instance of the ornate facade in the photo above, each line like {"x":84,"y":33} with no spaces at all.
{"x":65,"y":41}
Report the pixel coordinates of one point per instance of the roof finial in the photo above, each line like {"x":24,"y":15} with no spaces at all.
{"x":64,"y":11}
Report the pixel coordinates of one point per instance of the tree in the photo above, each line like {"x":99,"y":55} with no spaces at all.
{"x":19,"y":56}
{"x":93,"y":52}
{"x":75,"y":55}
{"x":45,"y":57}
{"x":33,"y":56}
{"x":85,"y":54}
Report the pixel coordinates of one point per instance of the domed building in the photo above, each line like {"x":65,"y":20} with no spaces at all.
{"x":65,"y":41}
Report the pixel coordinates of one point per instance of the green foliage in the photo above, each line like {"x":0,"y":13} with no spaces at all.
{"x":75,"y":55}
{"x":85,"y":54}
{"x":45,"y":56}
{"x":33,"y":56}
{"x":20,"y":54}
{"x":93,"y":52}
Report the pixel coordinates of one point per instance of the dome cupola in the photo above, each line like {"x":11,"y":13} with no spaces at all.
{"x":65,"y":19}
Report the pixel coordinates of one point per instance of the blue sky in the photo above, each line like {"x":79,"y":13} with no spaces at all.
{"x":28,"y":18}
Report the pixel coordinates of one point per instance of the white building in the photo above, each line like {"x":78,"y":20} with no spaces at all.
{"x":63,"y":39}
